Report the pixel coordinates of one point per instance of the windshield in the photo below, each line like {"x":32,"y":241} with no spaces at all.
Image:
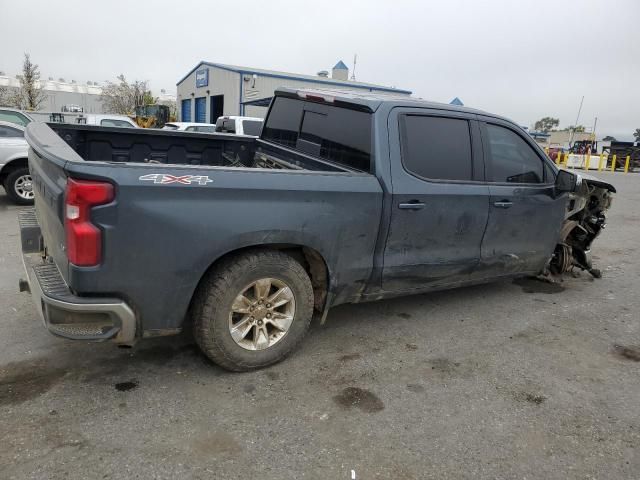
{"x":14,"y":117}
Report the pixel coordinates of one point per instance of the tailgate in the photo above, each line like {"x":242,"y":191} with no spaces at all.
{"x":48,"y":154}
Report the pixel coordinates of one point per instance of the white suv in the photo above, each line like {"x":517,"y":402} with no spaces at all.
{"x":239,"y":125}
{"x":107,"y":120}
{"x":14,"y":170}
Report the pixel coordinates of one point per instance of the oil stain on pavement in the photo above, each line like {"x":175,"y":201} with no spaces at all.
{"x":126,"y":386}
{"x":22,"y":381}
{"x":444,"y":365}
{"x":415,"y":388}
{"x":628,"y":353}
{"x":28,"y":379}
{"x":533,"y":285}
{"x":359,"y":398}
{"x":532,"y":398}
{"x":349,"y":357}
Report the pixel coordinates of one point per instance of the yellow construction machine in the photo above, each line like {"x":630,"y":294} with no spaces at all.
{"x":152,"y":116}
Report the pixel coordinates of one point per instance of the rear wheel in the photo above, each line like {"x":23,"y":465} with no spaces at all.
{"x":19,"y":186}
{"x":253,"y":310}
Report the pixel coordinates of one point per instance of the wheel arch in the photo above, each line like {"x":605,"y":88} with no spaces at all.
{"x":11,"y":165}
{"x":310,"y":258}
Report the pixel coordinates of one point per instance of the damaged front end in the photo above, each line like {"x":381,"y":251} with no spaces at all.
{"x":584,"y":220}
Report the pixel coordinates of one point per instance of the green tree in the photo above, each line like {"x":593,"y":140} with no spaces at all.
{"x":609,"y":138}
{"x":123,"y":97}
{"x":578,"y":129}
{"x":148,"y":99}
{"x":636,"y":134}
{"x":546,"y":124}
{"x":29,"y":95}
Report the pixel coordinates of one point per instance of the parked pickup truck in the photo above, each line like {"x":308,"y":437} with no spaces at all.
{"x":345,"y":197}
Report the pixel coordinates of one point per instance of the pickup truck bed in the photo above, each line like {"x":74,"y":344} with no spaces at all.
{"x":162,"y":232}
{"x":343,"y":198}
{"x":151,"y":146}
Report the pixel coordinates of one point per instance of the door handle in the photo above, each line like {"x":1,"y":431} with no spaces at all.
{"x":411,"y":205}
{"x":502,"y":204}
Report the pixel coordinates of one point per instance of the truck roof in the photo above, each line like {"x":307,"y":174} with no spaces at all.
{"x":373,"y":100}
{"x":240,"y":117}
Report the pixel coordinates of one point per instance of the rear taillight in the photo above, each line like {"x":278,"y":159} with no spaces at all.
{"x":84,"y":239}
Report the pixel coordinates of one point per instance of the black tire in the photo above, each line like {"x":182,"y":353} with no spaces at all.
{"x":10,"y":186}
{"x":211,"y":308}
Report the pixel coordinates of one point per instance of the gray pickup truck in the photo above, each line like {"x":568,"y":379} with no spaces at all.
{"x":344,"y":197}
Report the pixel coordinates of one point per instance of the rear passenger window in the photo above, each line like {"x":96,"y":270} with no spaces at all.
{"x":252,"y":127}
{"x":436,"y":148}
{"x":10,"y":132}
{"x":511,"y":159}
{"x":283,"y":124}
{"x":340,"y":135}
{"x":337,"y":134}
{"x":228,"y":125}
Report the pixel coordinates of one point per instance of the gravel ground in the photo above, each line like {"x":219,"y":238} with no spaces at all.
{"x":506,"y":380}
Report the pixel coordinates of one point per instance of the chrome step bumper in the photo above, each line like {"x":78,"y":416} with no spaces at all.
{"x":63,"y":313}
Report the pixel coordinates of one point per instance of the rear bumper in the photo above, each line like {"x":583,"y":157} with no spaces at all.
{"x":63,"y":313}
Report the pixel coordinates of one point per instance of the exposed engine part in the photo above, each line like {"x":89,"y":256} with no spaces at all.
{"x":562,"y":260}
{"x":584,"y":221}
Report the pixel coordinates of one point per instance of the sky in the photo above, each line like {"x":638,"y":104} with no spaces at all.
{"x":521,"y":59}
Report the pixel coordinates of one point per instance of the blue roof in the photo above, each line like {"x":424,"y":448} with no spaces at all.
{"x":297,"y":76}
{"x":340,"y":66}
{"x":456,"y":101}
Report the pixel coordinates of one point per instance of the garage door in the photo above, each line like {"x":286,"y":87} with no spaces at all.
{"x":186,"y":110}
{"x":201,"y":110}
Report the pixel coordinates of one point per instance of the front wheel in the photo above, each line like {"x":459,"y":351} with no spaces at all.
{"x":253,"y":310}
{"x":19,"y":186}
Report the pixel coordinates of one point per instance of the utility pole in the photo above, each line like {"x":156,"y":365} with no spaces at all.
{"x":575,"y":124}
{"x":353,"y":72}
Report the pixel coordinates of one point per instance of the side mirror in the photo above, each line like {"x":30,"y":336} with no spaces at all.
{"x":566,"y":181}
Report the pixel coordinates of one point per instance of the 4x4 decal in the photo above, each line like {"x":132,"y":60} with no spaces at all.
{"x":165,"y":179}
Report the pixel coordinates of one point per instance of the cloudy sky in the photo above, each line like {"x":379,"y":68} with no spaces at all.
{"x":524,"y":60}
